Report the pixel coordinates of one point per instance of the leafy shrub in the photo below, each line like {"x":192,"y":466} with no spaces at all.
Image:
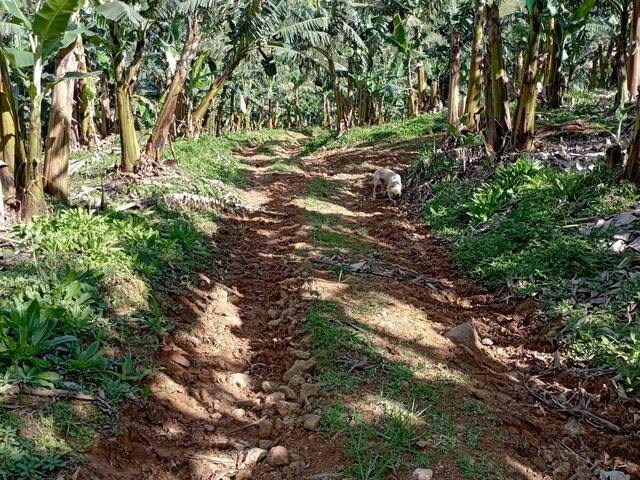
{"x":529,"y":247}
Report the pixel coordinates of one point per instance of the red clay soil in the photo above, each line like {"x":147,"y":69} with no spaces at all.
{"x":237,"y":333}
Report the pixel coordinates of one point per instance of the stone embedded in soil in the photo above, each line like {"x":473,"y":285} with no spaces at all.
{"x":265,"y":427}
{"x":487,"y":342}
{"x":464,"y":334}
{"x":278,"y":456}
{"x":287,"y":409}
{"x":254,"y":456}
{"x":241,"y":380}
{"x":312,"y":422}
{"x":274,"y":398}
{"x":269,"y":387}
{"x":422,"y":444}
{"x":301,"y":354}
{"x":180,"y":359}
{"x":289,"y":393}
{"x":296,"y":381}
{"x":299,"y":367}
{"x":613,"y":475}
{"x":266,"y":444}
{"x":309,"y":390}
{"x":422,"y":474}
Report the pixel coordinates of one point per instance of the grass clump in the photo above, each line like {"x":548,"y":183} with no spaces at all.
{"x":422,"y":125}
{"x":515,"y":229}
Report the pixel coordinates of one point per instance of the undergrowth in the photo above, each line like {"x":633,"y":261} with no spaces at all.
{"x":81,"y":299}
{"x":521,"y":227}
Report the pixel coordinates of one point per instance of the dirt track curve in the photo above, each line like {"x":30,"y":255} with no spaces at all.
{"x":220,"y":391}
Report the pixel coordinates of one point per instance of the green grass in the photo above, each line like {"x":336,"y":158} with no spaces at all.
{"x":422,"y":125}
{"x":381,"y":441}
{"x":523,"y":214}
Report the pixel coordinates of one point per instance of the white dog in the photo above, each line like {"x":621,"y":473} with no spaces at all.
{"x":392,"y":181}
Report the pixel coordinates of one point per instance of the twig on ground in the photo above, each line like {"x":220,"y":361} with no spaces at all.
{"x":248,"y":425}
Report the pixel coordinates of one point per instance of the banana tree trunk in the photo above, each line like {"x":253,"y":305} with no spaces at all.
{"x":326,"y":111}
{"x":125,"y":80}
{"x":454,"y":79}
{"x":422,"y":88}
{"x":623,"y":93}
{"x":593,"y":72}
{"x":86,"y":94}
{"x":297,"y":109}
{"x":56,"y":157}
{"x":434,"y":93}
{"x":105,"y":107}
{"x":474,"y":92}
{"x":160,"y":132}
{"x":33,"y":193}
{"x":518,"y":69}
{"x":220,"y":113}
{"x":411,"y":93}
{"x":497,"y":93}
{"x":554,"y":86}
{"x":633,"y":65}
{"x":525,"y":117}
{"x":201,"y":110}
{"x":632,"y":167}
{"x":8,"y":131}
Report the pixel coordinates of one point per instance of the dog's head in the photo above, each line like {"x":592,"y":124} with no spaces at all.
{"x":395,"y":189}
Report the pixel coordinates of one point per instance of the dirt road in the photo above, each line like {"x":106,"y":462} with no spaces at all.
{"x":317,"y":347}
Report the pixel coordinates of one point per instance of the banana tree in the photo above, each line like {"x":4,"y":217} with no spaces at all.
{"x":44,"y":36}
{"x":124,"y":21}
{"x":408,"y":49}
{"x":565,"y":25}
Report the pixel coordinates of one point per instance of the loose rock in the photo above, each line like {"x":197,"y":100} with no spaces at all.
{"x":287,"y":409}
{"x":487,"y":342}
{"x":464,"y":334}
{"x":274,"y":398}
{"x":278,"y":456}
{"x":254,"y":456}
{"x":240,"y":380}
{"x":312,"y":422}
{"x":265,"y":427}
{"x":269,"y":387}
{"x":289,"y":393}
{"x":299,"y":367}
{"x":422,"y":474}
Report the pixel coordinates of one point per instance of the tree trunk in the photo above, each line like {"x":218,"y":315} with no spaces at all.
{"x":422,"y":87}
{"x":86,"y":90}
{"x":622,"y":95}
{"x":125,"y":81}
{"x":633,"y":66}
{"x":518,"y":69}
{"x":8,"y":123}
{"x":433,"y":94}
{"x":593,"y":72}
{"x":297,"y":109}
{"x":554,"y":86}
{"x":326,"y":112}
{"x":632,"y":168}
{"x":105,"y":107}
{"x":220,"y":113}
{"x":411,"y":93}
{"x":497,"y":107}
{"x":474,"y":92}
{"x":454,"y":80}
{"x":33,"y":194}
{"x":200,"y":111}
{"x":56,"y":156}
{"x":525,"y":117}
{"x":160,"y":133}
